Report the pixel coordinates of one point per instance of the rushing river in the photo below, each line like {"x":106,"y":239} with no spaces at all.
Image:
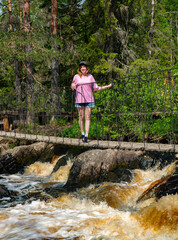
{"x":108,"y":211}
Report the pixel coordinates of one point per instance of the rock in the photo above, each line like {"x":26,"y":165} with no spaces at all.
{"x":14,"y":142}
{"x":12,"y":160}
{"x":4,"y":147}
{"x":27,"y":155}
{"x":8,"y":164}
{"x":4,"y":192}
{"x":162,"y":187}
{"x":61,"y":161}
{"x":10,"y":141}
{"x":96,"y":166}
{"x":170,"y":186}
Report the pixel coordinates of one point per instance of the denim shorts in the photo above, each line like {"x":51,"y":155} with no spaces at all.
{"x":80,"y":105}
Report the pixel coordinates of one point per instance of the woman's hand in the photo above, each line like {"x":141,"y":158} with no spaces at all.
{"x":73,"y":86}
{"x":110,"y":85}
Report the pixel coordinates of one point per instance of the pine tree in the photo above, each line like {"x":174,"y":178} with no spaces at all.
{"x":55,"y":64}
{"x":28,"y":62}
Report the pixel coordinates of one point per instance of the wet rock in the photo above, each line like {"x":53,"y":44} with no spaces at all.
{"x":10,"y":141}
{"x":61,"y":161}
{"x":4,"y":192}
{"x":96,"y":166}
{"x":12,"y":160}
{"x":161,"y":158}
{"x":4,"y":147}
{"x":55,"y":190}
{"x":168,"y":187}
{"x":162,"y":187}
{"x":8,"y":164}
{"x":40,"y":151}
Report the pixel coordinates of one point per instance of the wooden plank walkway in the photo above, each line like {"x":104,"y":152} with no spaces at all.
{"x":94,"y":143}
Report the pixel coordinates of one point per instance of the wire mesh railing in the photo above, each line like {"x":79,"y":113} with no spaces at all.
{"x":140,"y":108}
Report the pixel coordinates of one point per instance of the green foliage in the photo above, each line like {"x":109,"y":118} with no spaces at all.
{"x":113,"y":37}
{"x":62,"y":122}
{"x":129,"y":126}
{"x":97,"y":130}
{"x":12,"y":146}
{"x":72,"y":132}
{"x":163,"y":126}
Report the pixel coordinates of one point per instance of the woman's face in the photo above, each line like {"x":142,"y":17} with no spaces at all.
{"x":83,"y":69}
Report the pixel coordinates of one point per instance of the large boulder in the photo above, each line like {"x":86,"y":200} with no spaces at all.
{"x":13,"y":160}
{"x":29,"y":154}
{"x":96,"y":166}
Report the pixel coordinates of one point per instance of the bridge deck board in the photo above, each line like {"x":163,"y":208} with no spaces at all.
{"x":94,"y":143}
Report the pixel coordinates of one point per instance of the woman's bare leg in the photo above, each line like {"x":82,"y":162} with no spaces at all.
{"x":81,"y":113}
{"x":87,"y":119}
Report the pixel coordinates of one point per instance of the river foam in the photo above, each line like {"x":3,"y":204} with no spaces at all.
{"x":107,"y":212}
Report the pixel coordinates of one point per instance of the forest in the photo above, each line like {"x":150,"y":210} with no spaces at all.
{"x":130,"y":43}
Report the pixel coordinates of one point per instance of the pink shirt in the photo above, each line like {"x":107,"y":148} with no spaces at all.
{"x":84,"y":87}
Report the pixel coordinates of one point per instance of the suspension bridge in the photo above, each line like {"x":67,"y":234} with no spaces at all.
{"x":94,"y":143}
{"x":138,"y":113}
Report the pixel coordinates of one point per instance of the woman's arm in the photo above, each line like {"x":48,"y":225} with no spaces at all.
{"x":105,"y":87}
{"x":73,"y":86}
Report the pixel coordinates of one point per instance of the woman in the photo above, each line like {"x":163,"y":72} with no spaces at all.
{"x":84,"y":83}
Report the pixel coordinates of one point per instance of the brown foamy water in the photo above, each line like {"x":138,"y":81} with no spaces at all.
{"x":109,"y":211}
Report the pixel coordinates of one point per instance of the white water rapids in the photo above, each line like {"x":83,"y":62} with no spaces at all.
{"x":107,"y":212}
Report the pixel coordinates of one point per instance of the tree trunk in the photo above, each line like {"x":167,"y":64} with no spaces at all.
{"x":28,"y":62}
{"x":54,"y":17}
{"x":16,"y":63}
{"x":171,"y":52}
{"x":151,"y":29}
{"x":21,"y":29}
{"x":176,"y":29}
{"x":18,"y":88}
{"x":10,"y":15}
{"x":18,"y":70}
{"x":55,"y":64}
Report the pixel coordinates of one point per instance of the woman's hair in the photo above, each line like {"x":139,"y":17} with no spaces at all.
{"x":79,"y":68}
